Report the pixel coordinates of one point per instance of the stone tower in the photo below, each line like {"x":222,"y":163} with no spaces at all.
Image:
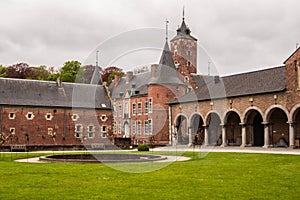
{"x":184,"y":49}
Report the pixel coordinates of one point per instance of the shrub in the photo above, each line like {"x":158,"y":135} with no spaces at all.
{"x":143,"y":147}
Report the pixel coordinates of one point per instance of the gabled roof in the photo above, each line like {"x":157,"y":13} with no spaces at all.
{"x":251,"y":83}
{"x":166,"y":72}
{"x":49,"y":94}
{"x":298,"y":49}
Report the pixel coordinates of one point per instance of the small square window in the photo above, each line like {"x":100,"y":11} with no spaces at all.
{"x":12,"y":115}
{"x":30,"y":116}
{"x":75,"y":117}
{"x":103,"y":118}
{"x":12,"y":131}
{"x":48,"y":116}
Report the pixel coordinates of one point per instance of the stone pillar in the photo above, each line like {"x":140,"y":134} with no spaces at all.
{"x":190,"y":136}
{"x":267,"y":135}
{"x":206,"y":142}
{"x":291,"y":134}
{"x":224,"y":139}
{"x":244,"y":139}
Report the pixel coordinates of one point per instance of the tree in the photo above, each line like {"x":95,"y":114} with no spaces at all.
{"x":70,"y":70}
{"x":19,"y":70}
{"x":39,"y":73}
{"x":108,"y":73}
{"x":3,"y":71}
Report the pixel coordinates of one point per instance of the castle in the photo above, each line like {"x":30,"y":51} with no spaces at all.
{"x":170,"y":104}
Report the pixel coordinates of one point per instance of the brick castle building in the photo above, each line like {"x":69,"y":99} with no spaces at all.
{"x":170,"y":104}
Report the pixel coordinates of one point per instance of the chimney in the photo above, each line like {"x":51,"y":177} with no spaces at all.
{"x":116,"y":79}
{"x":153,"y":70}
{"x":129,"y":76}
{"x":59,"y":82}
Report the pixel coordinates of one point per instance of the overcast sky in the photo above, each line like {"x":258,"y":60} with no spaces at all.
{"x":237,"y":35}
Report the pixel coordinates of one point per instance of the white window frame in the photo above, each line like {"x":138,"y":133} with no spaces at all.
{"x":140,"y":108}
{"x":48,"y":116}
{"x":78,"y":133}
{"x":29,"y":116}
{"x":12,"y":130}
{"x":75,"y":117}
{"x":91,"y":131}
{"x":13,"y":115}
{"x":133,"y":108}
{"x":146,"y":127}
{"x":103,"y":131}
{"x":139,"y":127}
{"x":150,"y":126}
{"x":150,"y":105}
{"x":146,"y":107}
{"x":133,"y":127}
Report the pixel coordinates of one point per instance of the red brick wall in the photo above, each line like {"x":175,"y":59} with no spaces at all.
{"x":61,"y":123}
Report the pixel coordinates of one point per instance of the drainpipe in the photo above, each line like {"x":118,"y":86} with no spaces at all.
{"x":170,"y":126}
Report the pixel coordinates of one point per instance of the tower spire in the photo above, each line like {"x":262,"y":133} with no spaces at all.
{"x":183,"y":13}
{"x":167,"y":30}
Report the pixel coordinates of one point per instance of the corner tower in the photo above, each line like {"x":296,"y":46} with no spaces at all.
{"x":184,"y":51}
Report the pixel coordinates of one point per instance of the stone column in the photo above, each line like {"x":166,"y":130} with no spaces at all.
{"x":291,"y":134}
{"x":206,"y":142}
{"x":244,"y":139}
{"x":224,"y":139}
{"x":190,"y":136}
{"x":267,"y":135}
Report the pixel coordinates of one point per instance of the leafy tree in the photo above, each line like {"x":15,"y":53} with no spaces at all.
{"x":3,"y":71}
{"x":53,"y":77}
{"x":70,"y":70}
{"x":39,"y":73}
{"x":108,"y":73}
{"x":20,"y":70}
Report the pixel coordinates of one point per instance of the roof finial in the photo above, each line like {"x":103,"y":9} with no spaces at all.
{"x":167,"y":30}
{"x":97,"y":58}
{"x":183,"y":13}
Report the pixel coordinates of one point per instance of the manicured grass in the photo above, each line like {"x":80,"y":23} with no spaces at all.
{"x":216,"y":176}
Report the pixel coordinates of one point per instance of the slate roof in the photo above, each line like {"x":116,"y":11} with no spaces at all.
{"x":48,"y":94}
{"x":257,"y":82}
{"x":166,"y":72}
{"x":184,"y":32}
{"x":135,"y":85}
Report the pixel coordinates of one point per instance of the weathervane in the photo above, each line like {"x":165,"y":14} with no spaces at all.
{"x":183,"y":13}
{"x":167,"y":29}
{"x":97,"y":58}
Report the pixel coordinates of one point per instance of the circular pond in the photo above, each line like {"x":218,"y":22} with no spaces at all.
{"x":102,"y":158}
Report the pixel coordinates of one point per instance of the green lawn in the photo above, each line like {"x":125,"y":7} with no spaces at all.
{"x":216,"y":176}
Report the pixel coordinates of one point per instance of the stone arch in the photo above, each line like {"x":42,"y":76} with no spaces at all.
{"x":248,"y":111}
{"x":253,"y":120}
{"x":271,"y":108}
{"x":213,"y":122}
{"x":197,"y":128}
{"x":181,"y":129}
{"x":232,"y":122}
{"x":277,"y":117}
{"x":225,"y":117}
{"x":207,"y":115}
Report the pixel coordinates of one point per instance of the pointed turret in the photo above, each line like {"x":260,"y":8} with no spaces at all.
{"x":184,"y":32}
{"x":166,"y":73}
